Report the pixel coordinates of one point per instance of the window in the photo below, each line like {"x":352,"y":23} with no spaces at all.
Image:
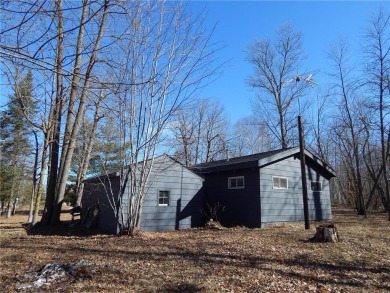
{"x":163,"y":198}
{"x":236,"y":182}
{"x":280,"y":182}
{"x":316,"y":186}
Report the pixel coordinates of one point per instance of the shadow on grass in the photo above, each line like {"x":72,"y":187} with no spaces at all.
{"x":65,"y":228}
{"x":186,"y":287}
{"x":340,"y":274}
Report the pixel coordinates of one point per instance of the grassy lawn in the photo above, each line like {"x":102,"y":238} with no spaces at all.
{"x":273,"y":259}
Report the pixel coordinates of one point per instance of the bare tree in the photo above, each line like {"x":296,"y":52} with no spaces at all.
{"x":55,"y":117}
{"x":60,"y":41}
{"x":86,"y":149}
{"x":75,"y":116}
{"x":347,"y":129}
{"x":200,"y":132}
{"x":184,"y":127}
{"x":251,"y":135}
{"x":163,"y":57}
{"x":274,"y":64}
{"x":377,"y":72}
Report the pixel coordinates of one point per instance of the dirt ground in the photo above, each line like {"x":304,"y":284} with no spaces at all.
{"x":273,"y":259}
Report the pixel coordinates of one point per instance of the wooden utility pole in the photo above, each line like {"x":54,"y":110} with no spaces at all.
{"x":303,"y":173}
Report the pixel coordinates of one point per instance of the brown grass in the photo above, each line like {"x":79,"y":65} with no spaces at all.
{"x":273,"y":259}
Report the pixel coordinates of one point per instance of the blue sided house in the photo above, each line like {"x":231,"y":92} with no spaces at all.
{"x":254,"y":191}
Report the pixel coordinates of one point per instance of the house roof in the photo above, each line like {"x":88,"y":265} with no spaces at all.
{"x":237,"y":160}
{"x":261,"y":160}
{"x":102,"y":177}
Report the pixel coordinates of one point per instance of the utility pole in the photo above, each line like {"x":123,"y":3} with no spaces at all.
{"x":308,"y":80}
{"x":303,"y":173}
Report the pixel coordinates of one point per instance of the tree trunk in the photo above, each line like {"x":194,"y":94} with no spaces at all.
{"x":72,"y":100}
{"x":12,"y":195}
{"x":87,"y":155}
{"x":56,"y":121}
{"x":66,"y":158}
{"x":14,"y":204}
{"x":38,"y":192}
{"x":34,"y":180}
{"x":9,"y":210}
{"x":355,"y":143}
{"x":283,"y":139}
{"x":326,"y":233}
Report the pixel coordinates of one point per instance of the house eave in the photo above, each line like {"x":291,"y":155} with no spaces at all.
{"x":238,"y":166}
{"x":102,"y":177}
{"x":295,"y":152}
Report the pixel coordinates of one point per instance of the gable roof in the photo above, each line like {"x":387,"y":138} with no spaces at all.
{"x":261,"y":160}
{"x":114,"y":174}
{"x":235,"y":161}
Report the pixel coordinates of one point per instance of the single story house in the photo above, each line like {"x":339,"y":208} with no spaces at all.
{"x":254,"y":191}
{"x":266,"y":188}
{"x":173,"y":198}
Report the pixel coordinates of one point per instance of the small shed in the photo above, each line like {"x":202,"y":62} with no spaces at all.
{"x":173,"y":198}
{"x":266,"y":188}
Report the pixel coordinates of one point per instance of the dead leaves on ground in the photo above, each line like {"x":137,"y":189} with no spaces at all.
{"x":274,"y":259}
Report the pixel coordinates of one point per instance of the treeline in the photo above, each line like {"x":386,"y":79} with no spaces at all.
{"x":96,"y":86}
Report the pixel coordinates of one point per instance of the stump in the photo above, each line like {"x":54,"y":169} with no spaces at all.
{"x":326,"y":233}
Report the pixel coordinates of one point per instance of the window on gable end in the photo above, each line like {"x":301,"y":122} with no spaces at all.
{"x":163,"y":198}
{"x":279,"y":182}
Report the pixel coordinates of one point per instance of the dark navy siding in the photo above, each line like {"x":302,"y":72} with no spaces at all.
{"x":241,"y":206}
{"x":99,"y":192}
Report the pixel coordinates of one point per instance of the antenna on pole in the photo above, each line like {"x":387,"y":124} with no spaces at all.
{"x":308,"y":79}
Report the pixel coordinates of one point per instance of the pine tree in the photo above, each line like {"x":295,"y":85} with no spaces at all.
{"x":15,"y":145}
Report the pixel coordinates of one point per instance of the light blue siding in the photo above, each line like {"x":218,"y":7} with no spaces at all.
{"x":185,"y":197}
{"x":286,"y":205}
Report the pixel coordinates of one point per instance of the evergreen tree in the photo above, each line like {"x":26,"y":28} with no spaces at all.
{"x":107,"y":152}
{"x":15,"y":145}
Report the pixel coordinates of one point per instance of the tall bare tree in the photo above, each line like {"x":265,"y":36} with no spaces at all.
{"x":164,"y":56}
{"x":60,"y":41}
{"x":275,"y":63}
{"x":55,"y":116}
{"x":89,"y":136}
{"x":377,"y":72}
{"x":347,"y":128}
{"x":75,"y":115}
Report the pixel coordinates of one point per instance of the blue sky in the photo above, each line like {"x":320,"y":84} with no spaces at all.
{"x":240,"y":22}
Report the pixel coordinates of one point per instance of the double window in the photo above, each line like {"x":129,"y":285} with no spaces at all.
{"x":236,"y":182}
{"x":163,"y":198}
{"x":279,"y":182}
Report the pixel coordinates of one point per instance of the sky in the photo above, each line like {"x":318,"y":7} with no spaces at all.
{"x":238,"y":23}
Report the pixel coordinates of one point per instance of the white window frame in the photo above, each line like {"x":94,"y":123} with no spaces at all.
{"x":278,"y":187}
{"x":158,"y":198}
{"x":230,"y":179}
{"x":311,"y":186}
